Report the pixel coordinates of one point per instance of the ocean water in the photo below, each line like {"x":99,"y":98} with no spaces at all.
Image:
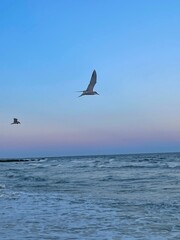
{"x":120,"y":197}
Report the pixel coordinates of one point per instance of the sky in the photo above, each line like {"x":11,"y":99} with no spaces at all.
{"x":48,"y":50}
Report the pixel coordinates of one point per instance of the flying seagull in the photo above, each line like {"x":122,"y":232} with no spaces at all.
{"x":16,"y":121}
{"x":89,"y":90}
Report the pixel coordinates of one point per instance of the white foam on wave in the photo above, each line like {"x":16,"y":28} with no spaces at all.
{"x":173,"y":165}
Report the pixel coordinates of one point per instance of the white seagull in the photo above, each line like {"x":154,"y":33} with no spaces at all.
{"x":89,"y":90}
{"x":16,"y":121}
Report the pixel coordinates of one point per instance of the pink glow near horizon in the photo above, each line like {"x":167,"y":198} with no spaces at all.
{"x":93,"y":139}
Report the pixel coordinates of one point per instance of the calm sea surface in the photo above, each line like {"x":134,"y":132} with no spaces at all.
{"x":128,"y":197}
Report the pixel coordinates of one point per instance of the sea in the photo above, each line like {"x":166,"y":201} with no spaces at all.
{"x":118,"y":197}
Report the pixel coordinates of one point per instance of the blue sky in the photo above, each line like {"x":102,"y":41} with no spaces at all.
{"x":48,"y":50}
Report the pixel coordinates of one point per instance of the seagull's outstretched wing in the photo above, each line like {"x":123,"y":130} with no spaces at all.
{"x":92,"y":82}
{"x":15,"y":120}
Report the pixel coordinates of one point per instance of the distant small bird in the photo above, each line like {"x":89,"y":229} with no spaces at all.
{"x":16,"y":121}
{"x":89,"y":90}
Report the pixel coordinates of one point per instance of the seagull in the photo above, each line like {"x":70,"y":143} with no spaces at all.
{"x":16,"y":121}
{"x":89,"y":90}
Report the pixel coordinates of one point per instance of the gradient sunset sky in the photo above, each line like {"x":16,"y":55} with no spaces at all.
{"x":48,"y":50}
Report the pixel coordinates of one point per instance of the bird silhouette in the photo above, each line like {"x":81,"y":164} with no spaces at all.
{"x":89,"y":90}
{"x":15,"y":121}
